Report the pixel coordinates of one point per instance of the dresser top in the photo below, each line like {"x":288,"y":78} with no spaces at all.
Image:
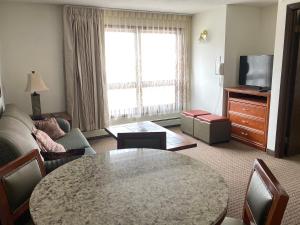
{"x":248,"y":91}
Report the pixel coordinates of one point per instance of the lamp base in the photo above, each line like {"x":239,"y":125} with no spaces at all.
{"x":36,"y":106}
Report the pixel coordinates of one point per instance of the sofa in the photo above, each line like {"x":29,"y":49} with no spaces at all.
{"x":16,"y":139}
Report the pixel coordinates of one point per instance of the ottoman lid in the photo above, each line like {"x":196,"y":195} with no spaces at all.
{"x":195,"y":113}
{"x":212,"y":118}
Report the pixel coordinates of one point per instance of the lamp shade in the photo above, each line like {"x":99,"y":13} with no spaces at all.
{"x":35,"y":83}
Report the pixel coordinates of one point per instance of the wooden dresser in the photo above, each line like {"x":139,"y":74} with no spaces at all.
{"x":248,"y":111}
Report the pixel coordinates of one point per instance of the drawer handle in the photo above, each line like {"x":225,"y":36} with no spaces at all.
{"x":245,"y":109}
{"x":244,"y":133}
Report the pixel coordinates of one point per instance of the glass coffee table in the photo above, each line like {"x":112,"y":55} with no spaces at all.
{"x":175,"y":141}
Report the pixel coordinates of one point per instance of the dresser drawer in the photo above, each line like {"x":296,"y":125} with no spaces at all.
{"x":237,"y":118}
{"x":249,"y":134}
{"x":248,"y":109}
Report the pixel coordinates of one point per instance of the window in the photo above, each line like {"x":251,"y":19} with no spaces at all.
{"x":143,"y":71}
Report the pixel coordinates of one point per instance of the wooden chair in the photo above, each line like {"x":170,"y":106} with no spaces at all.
{"x":155,"y":140}
{"x":17,"y":181}
{"x":265,"y":201}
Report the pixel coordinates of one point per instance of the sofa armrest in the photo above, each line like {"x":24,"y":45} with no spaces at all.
{"x":51,"y":165}
{"x":63,"y":124}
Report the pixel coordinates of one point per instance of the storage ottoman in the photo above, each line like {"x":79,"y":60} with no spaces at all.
{"x":187,"y":120}
{"x":212,"y":128}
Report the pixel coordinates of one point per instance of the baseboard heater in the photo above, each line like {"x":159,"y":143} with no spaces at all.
{"x":169,"y":122}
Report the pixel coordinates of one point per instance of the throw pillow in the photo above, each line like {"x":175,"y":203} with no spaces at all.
{"x":51,"y":127}
{"x":45,"y":143}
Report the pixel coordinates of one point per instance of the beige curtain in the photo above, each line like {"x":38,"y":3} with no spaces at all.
{"x":161,"y":64}
{"x":86,"y":91}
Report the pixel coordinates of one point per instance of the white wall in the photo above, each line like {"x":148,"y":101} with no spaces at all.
{"x":249,"y":30}
{"x":268,"y":29}
{"x":242,"y":28}
{"x":234,"y":30}
{"x":32,"y":39}
{"x":206,"y":87}
{"x":276,"y":79}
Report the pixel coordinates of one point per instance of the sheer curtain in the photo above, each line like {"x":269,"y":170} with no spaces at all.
{"x":147,"y":63}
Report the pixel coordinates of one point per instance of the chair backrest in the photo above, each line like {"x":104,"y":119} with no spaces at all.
{"x":155,"y":140}
{"x":17,"y":181}
{"x":265,"y":200}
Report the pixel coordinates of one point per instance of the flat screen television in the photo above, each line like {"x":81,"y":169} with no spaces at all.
{"x":256,"y":71}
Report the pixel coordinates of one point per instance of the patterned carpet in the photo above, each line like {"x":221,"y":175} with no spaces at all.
{"x":234,"y":161}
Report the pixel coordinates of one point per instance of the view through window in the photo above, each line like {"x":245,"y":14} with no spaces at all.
{"x":142,"y":71}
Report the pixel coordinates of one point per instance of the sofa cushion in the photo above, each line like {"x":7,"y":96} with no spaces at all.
{"x":14,"y":145}
{"x":53,"y":164}
{"x":13,"y":111}
{"x":11,"y":123}
{"x":73,"y":140}
{"x":15,"y":139}
{"x":89,"y":151}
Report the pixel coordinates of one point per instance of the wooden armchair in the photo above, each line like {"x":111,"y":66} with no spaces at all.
{"x":17,"y":181}
{"x":265,"y":201}
{"x":155,"y":140}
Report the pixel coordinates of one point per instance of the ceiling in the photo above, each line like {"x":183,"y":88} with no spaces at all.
{"x":178,"y":6}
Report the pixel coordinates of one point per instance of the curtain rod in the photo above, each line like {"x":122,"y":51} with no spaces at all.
{"x":129,"y":10}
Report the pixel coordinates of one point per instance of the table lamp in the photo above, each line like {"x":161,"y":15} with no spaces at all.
{"x":35,"y":84}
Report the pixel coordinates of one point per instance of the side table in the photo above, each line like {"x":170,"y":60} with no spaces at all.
{"x":63,"y":115}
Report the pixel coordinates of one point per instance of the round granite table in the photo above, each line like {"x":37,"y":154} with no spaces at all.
{"x":131,"y":187}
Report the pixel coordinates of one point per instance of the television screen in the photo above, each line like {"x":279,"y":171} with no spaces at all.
{"x":256,"y":71}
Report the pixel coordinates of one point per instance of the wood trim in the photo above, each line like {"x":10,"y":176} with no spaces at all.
{"x":167,"y":119}
{"x":280,"y":197}
{"x":270,"y":152}
{"x":21,"y":210}
{"x":262,"y":104}
{"x":243,"y":102}
{"x":294,"y":6}
{"x":174,"y":141}
{"x":7,"y":216}
{"x":11,"y":166}
{"x":142,"y":135}
{"x":248,"y":142}
{"x":246,"y":90}
{"x":285,"y":84}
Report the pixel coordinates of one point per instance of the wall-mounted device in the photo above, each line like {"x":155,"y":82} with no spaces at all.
{"x":219,"y":66}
